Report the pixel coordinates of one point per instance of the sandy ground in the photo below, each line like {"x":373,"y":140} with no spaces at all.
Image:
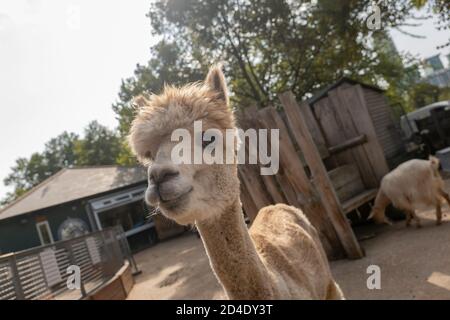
{"x":414,"y":264}
{"x":175,"y":269}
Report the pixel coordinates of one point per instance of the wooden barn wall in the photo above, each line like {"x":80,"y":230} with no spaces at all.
{"x":382,"y":117}
{"x":333,"y":119}
{"x":342,"y":115}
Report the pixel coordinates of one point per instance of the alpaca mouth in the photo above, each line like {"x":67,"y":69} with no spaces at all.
{"x":174,"y":203}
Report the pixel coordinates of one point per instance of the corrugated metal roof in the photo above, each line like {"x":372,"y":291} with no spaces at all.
{"x":73,"y":184}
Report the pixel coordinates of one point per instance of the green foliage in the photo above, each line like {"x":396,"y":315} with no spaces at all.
{"x":125,"y":156}
{"x":270,"y":46}
{"x":169,"y":66}
{"x":423,"y":94}
{"x":99,"y":146}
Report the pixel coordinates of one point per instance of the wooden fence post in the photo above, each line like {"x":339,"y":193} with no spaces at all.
{"x":297,"y":186}
{"x":320,"y":176}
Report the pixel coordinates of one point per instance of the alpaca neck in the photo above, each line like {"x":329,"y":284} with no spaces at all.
{"x":233,"y":256}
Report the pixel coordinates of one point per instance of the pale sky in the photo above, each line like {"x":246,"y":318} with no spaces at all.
{"x":61,"y":63}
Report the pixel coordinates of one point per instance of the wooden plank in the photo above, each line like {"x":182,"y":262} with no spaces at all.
{"x":353,"y":142}
{"x":256,"y":192}
{"x":251,"y":179}
{"x":315,"y":131}
{"x":269,"y":181}
{"x":346,"y":182}
{"x":288,"y":190}
{"x":331,"y":126}
{"x":384,"y":122}
{"x":113,"y":290}
{"x":274,"y":190}
{"x":342,"y":175}
{"x":344,"y":110}
{"x":359,"y":200}
{"x":320,"y":176}
{"x":127,"y":280}
{"x":364,"y":125}
{"x":294,"y":172}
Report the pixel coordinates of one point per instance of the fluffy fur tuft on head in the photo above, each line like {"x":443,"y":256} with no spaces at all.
{"x":178,"y":107}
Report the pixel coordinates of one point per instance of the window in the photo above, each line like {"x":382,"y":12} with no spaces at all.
{"x":129,"y":216}
{"x":44,"y":232}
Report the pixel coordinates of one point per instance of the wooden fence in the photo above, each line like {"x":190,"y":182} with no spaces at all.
{"x":41,"y":273}
{"x":325,"y":180}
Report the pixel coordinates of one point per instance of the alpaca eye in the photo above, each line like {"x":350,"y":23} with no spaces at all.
{"x":205,"y":143}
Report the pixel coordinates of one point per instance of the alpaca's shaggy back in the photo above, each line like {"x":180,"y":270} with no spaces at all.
{"x":413,"y":184}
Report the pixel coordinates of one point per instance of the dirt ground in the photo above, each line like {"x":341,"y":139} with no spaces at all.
{"x":414,"y":263}
{"x":175,"y":269}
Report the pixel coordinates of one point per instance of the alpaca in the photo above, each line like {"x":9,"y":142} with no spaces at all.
{"x":415,"y":184}
{"x":280,"y":257}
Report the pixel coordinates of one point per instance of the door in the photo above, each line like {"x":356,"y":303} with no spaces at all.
{"x":44,"y":232}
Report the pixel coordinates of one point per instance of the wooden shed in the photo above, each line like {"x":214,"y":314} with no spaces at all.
{"x":385,"y":125}
{"x":333,"y":153}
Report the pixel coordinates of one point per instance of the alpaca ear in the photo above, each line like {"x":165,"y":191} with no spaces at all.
{"x":433,"y":159}
{"x":216,"y":81}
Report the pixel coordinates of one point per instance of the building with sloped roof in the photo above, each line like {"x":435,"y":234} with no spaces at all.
{"x":75,"y":201}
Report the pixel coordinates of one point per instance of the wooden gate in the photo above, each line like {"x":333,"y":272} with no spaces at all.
{"x":326,"y":178}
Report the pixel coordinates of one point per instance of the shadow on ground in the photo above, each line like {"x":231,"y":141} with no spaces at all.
{"x":175,"y":269}
{"x":414,"y":263}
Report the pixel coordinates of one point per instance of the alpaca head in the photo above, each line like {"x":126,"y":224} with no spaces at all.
{"x":186,"y":192}
{"x":435,"y":164}
{"x":379,"y":216}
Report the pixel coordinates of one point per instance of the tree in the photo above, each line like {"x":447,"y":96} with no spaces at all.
{"x":99,"y":146}
{"x":168,"y":66}
{"x":58,"y":153}
{"x":269,"y":46}
{"x":441,"y":8}
{"x":423,"y":94}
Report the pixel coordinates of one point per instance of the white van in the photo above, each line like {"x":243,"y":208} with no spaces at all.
{"x":408,"y":123}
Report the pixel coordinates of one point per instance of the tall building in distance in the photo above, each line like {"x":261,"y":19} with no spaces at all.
{"x":435,"y":72}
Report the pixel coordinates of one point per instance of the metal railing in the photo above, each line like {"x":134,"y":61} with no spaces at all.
{"x":44,"y":273}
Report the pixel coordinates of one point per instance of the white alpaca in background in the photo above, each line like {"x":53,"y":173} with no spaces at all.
{"x":415,"y":184}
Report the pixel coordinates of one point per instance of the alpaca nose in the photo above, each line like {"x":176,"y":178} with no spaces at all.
{"x":159,"y":187}
{"x":160,"y":174}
